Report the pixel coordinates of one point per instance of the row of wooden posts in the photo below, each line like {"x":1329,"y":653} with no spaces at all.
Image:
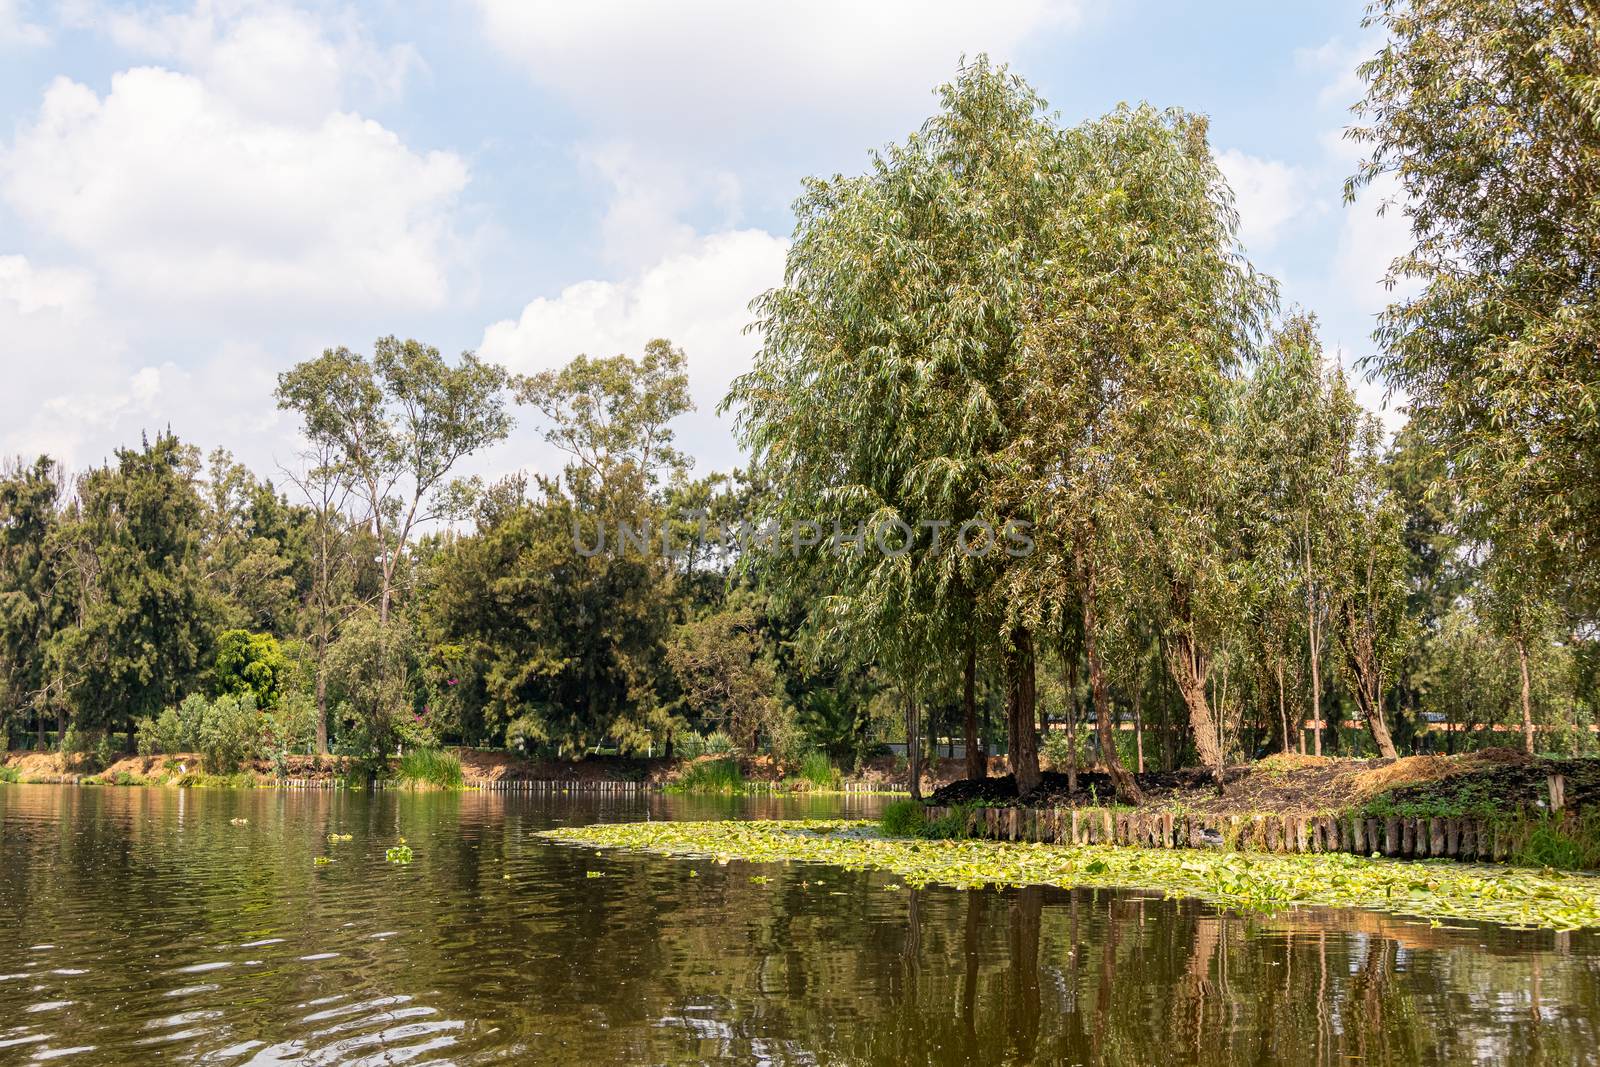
{"x":598,"y":788}
{"x":1474,"y":839}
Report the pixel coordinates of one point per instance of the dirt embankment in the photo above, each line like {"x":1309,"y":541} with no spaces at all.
{"x":1498,"y":778}
{"x":479,"y":767}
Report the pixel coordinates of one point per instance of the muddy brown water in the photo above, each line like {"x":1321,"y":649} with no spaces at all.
{"x":145,"y":925}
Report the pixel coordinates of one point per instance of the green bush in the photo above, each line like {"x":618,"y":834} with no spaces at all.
{"x":228,"y":734}
{"x":1055,"y":752}
{"x":710,"y":776}
{"x":431,"y":766}
{"x":10,"y":774}
{"x":103,"y":753}
{"x":817,"y":769}
{"x":717,"y":743}
{"x":903,"y":818}
{"x":144,"y":737}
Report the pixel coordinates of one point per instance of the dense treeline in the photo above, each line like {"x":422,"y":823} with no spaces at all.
{"x":1035,"y":453}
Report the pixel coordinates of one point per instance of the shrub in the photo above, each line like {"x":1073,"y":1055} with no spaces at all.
{"x":103,"y":754}
{"x":431,"y":766}
{"x":903,"y":818}
{"x":710,"y":776}
{"x":1055,"y":750}
{"x":229,"y":733}
{"x":144,"y":737}
{"x":10,"y":774}
{"x":817,"y":769}
{"x":718,"y":743}
{"x":74,"y":742}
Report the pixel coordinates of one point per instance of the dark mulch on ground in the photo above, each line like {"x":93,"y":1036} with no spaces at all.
{"x":1520,"y":784}
{"x":1489,"y":781}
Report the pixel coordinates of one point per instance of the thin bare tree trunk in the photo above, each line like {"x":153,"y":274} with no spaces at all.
{"x":1069,"y":683}
{"x":1527,"y":696}
{"x":1138,"y":724}
{"x":1127,"y":787}
{"x":977,"y":763}
{"x":914,"y":745}
{"x":1283,"y":712}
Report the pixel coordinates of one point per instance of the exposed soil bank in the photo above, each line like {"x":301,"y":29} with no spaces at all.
{"x":1480,"y":783}
{"x":480,"y":768}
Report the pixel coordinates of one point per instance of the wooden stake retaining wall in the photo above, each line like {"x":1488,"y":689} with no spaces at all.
{"x":1463,"y":839}
{"x":599,"y":788}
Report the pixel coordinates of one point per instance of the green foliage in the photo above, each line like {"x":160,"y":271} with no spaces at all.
{"x":10,"y":774}
{"x":146,"y":740}
{"x":903,"y":818}
{"x":140,"y":638}
{"x":227,"y":732}
{"x":1483,"y":115}
{"x":400,"y":853}
{"x":709,"y":776}
{"x":727,"y":679}
{"x":375,"y":688}
{"x":396,"y":425}
{"x":1551,"y":841}
{"x":818,"y":769}
{"x":430,"y":767}
{"x":249,"y":665}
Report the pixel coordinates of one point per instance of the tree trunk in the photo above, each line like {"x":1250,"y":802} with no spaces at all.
{"x":1127,"y":787}
{"x":1527,"y":696}
{"x":1022,"y":730}
{"x":1189,"y":668}
{"x":1138,"y":724}
{"x":977,"y":761}
{"x":914,"y":745}
{"x":1070,"y":663}
{"x":1283,"y":711}
{"x":322,"y":712}
{"x":1361,"y":657}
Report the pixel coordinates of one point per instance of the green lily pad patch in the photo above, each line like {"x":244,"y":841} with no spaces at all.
{"x":1247,"y":881}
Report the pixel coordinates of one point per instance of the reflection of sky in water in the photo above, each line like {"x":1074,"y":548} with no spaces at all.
{"x":160,"y":930}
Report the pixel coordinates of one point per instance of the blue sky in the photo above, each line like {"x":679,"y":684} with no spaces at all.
{"x":195,"y":196}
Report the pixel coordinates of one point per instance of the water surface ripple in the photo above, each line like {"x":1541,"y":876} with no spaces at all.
{"x":146,"y":925}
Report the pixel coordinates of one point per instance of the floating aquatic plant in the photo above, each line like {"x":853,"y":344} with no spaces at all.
{"x":334,"y":839}
{"x":400,"y":853}
{"x":1432,"y":889}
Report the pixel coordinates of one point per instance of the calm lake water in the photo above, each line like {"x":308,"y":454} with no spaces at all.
{"x":143,"y":925}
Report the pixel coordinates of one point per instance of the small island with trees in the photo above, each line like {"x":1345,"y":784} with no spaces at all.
{"x":1240,"y":610}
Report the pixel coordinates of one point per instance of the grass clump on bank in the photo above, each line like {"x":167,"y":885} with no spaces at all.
{"x":1248,"y":881}
{"x":430,"y":767}
{"x":709,"y":776}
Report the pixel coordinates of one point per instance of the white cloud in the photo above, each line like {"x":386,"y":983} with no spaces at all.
{"x":733,"y":69}
{"x":16,"y":29}
{"x":1269,"y":194}
{"x":176,"y":194}
{"x":268,"y":59}
{"x":1337,"y":59}
{"x":1369,"y":241}
{"x":698,"y":299}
